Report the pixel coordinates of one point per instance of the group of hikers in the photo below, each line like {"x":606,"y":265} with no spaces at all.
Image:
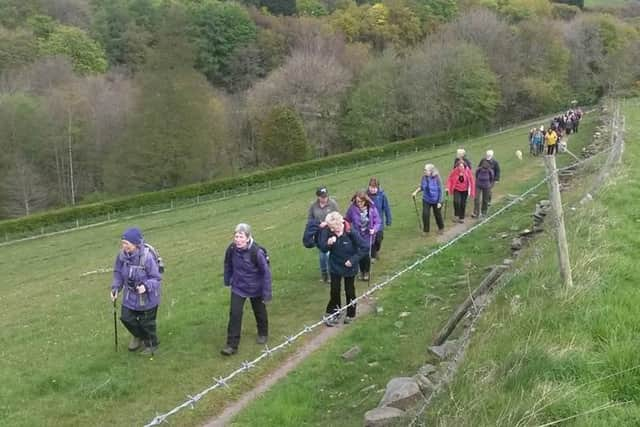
{"x":347,"y":245}
{"x":564,"y":124}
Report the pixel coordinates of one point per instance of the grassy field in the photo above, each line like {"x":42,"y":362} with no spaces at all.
{"x":543,"y":354}
{"x":598,"y":3}
{"x":59,"y":366}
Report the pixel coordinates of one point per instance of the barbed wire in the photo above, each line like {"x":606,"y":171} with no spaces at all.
{"x":247,"y":365}
{"x":615,"y":140}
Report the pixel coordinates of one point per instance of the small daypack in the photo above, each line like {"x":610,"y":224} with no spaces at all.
{"x":147,"y":250}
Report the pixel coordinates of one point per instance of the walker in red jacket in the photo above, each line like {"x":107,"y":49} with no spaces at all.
{"x":461,"y":184}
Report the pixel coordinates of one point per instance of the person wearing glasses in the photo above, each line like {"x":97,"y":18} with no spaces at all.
{"x":365,"y":220}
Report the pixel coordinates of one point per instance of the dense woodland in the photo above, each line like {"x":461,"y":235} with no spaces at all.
{"x":110,"y":97}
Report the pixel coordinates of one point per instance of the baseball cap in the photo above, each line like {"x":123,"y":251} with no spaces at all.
{"x":322,"y":192}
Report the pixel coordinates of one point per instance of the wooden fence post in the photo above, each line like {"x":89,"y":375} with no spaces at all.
{"x":558,"y":219}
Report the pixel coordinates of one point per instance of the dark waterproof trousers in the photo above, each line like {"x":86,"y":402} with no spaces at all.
{"x":552,"y":149}
{"x":459,"y":203}
{"x":426,"y":216}
{"x":485,"y":195}
{"x":349,"y":292}
{"x":235,"y":318}
{"x":377,"y":244}
{"x":141,"y":324}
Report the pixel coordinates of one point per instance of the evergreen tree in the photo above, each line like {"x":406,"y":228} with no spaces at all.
{"x":283,"y":138}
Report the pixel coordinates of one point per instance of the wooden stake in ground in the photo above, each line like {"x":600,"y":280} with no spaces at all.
{"x":558,"y":216}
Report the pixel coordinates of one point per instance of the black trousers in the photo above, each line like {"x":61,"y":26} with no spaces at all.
{"x":459,"y":203}
{"x":365,"y":263}
{"x":485,"y":194}
{"x":236,"y":310}
{"x":426,"y":216}
{"x":349,"y":293}
{"x":552,"y":149}
{"x":377,"y":244}
{"x":141,"y":324}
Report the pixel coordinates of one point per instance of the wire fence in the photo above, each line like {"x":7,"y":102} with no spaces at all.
{"x":248,"y":365}
{"x":615,"y":152}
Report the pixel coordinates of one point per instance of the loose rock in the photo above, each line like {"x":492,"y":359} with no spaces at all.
{"x":401,"y":393}
{"x":383,"y":417}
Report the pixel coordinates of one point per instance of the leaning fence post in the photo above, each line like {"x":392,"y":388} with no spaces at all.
{"x":558,"y":219}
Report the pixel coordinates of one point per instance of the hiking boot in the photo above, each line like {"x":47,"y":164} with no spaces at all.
{"x":348,"y":319}
{"x":325,"y":277}
{"x":149,"y":350}
{"x":474,"y":215}
{"x":135,"y":344}
{"x":365,"y":276}
{"x":262,"y":339}
{"x":228,"y":351}
{"x":331,"y":322}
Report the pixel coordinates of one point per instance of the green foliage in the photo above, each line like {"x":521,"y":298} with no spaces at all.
{"x":14,"y":13}
{"x":379,"y":24}
{"x":123,"y":28}
{"x":279,"y":7}
{"x":217,"y":29}
{"x":472,"y":88}
{"x":371,"y":114}
{"x":518,"y":10}
{"x":434,"y":12}
{"x":282,"y":137}
{"x":86,"y":55}
{"x":41,"y":25}
{"x":17,"y":48}
{"x":311,"y":8}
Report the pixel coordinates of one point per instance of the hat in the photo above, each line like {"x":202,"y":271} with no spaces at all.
{"x":132,"y":235}
{"x":322,"y":192}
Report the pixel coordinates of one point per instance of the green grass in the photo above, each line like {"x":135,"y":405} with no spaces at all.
{"x":542,"y":353}
{"x":58,"y":362}
{"x":601,"y":3}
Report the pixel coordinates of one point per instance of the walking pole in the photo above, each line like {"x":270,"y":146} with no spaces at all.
{"x":115,"y":324}
{"x":370,"y":263}
{"x":415,"y":205}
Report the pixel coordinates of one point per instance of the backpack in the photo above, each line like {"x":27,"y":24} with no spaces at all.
{"x":147,"y":250}
{"x":484,"y":174}
{"x":253,"y":252}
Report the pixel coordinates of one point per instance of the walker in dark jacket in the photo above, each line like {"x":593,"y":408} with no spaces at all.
{"x":379,"y":199}
{"x":348,"y":246}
